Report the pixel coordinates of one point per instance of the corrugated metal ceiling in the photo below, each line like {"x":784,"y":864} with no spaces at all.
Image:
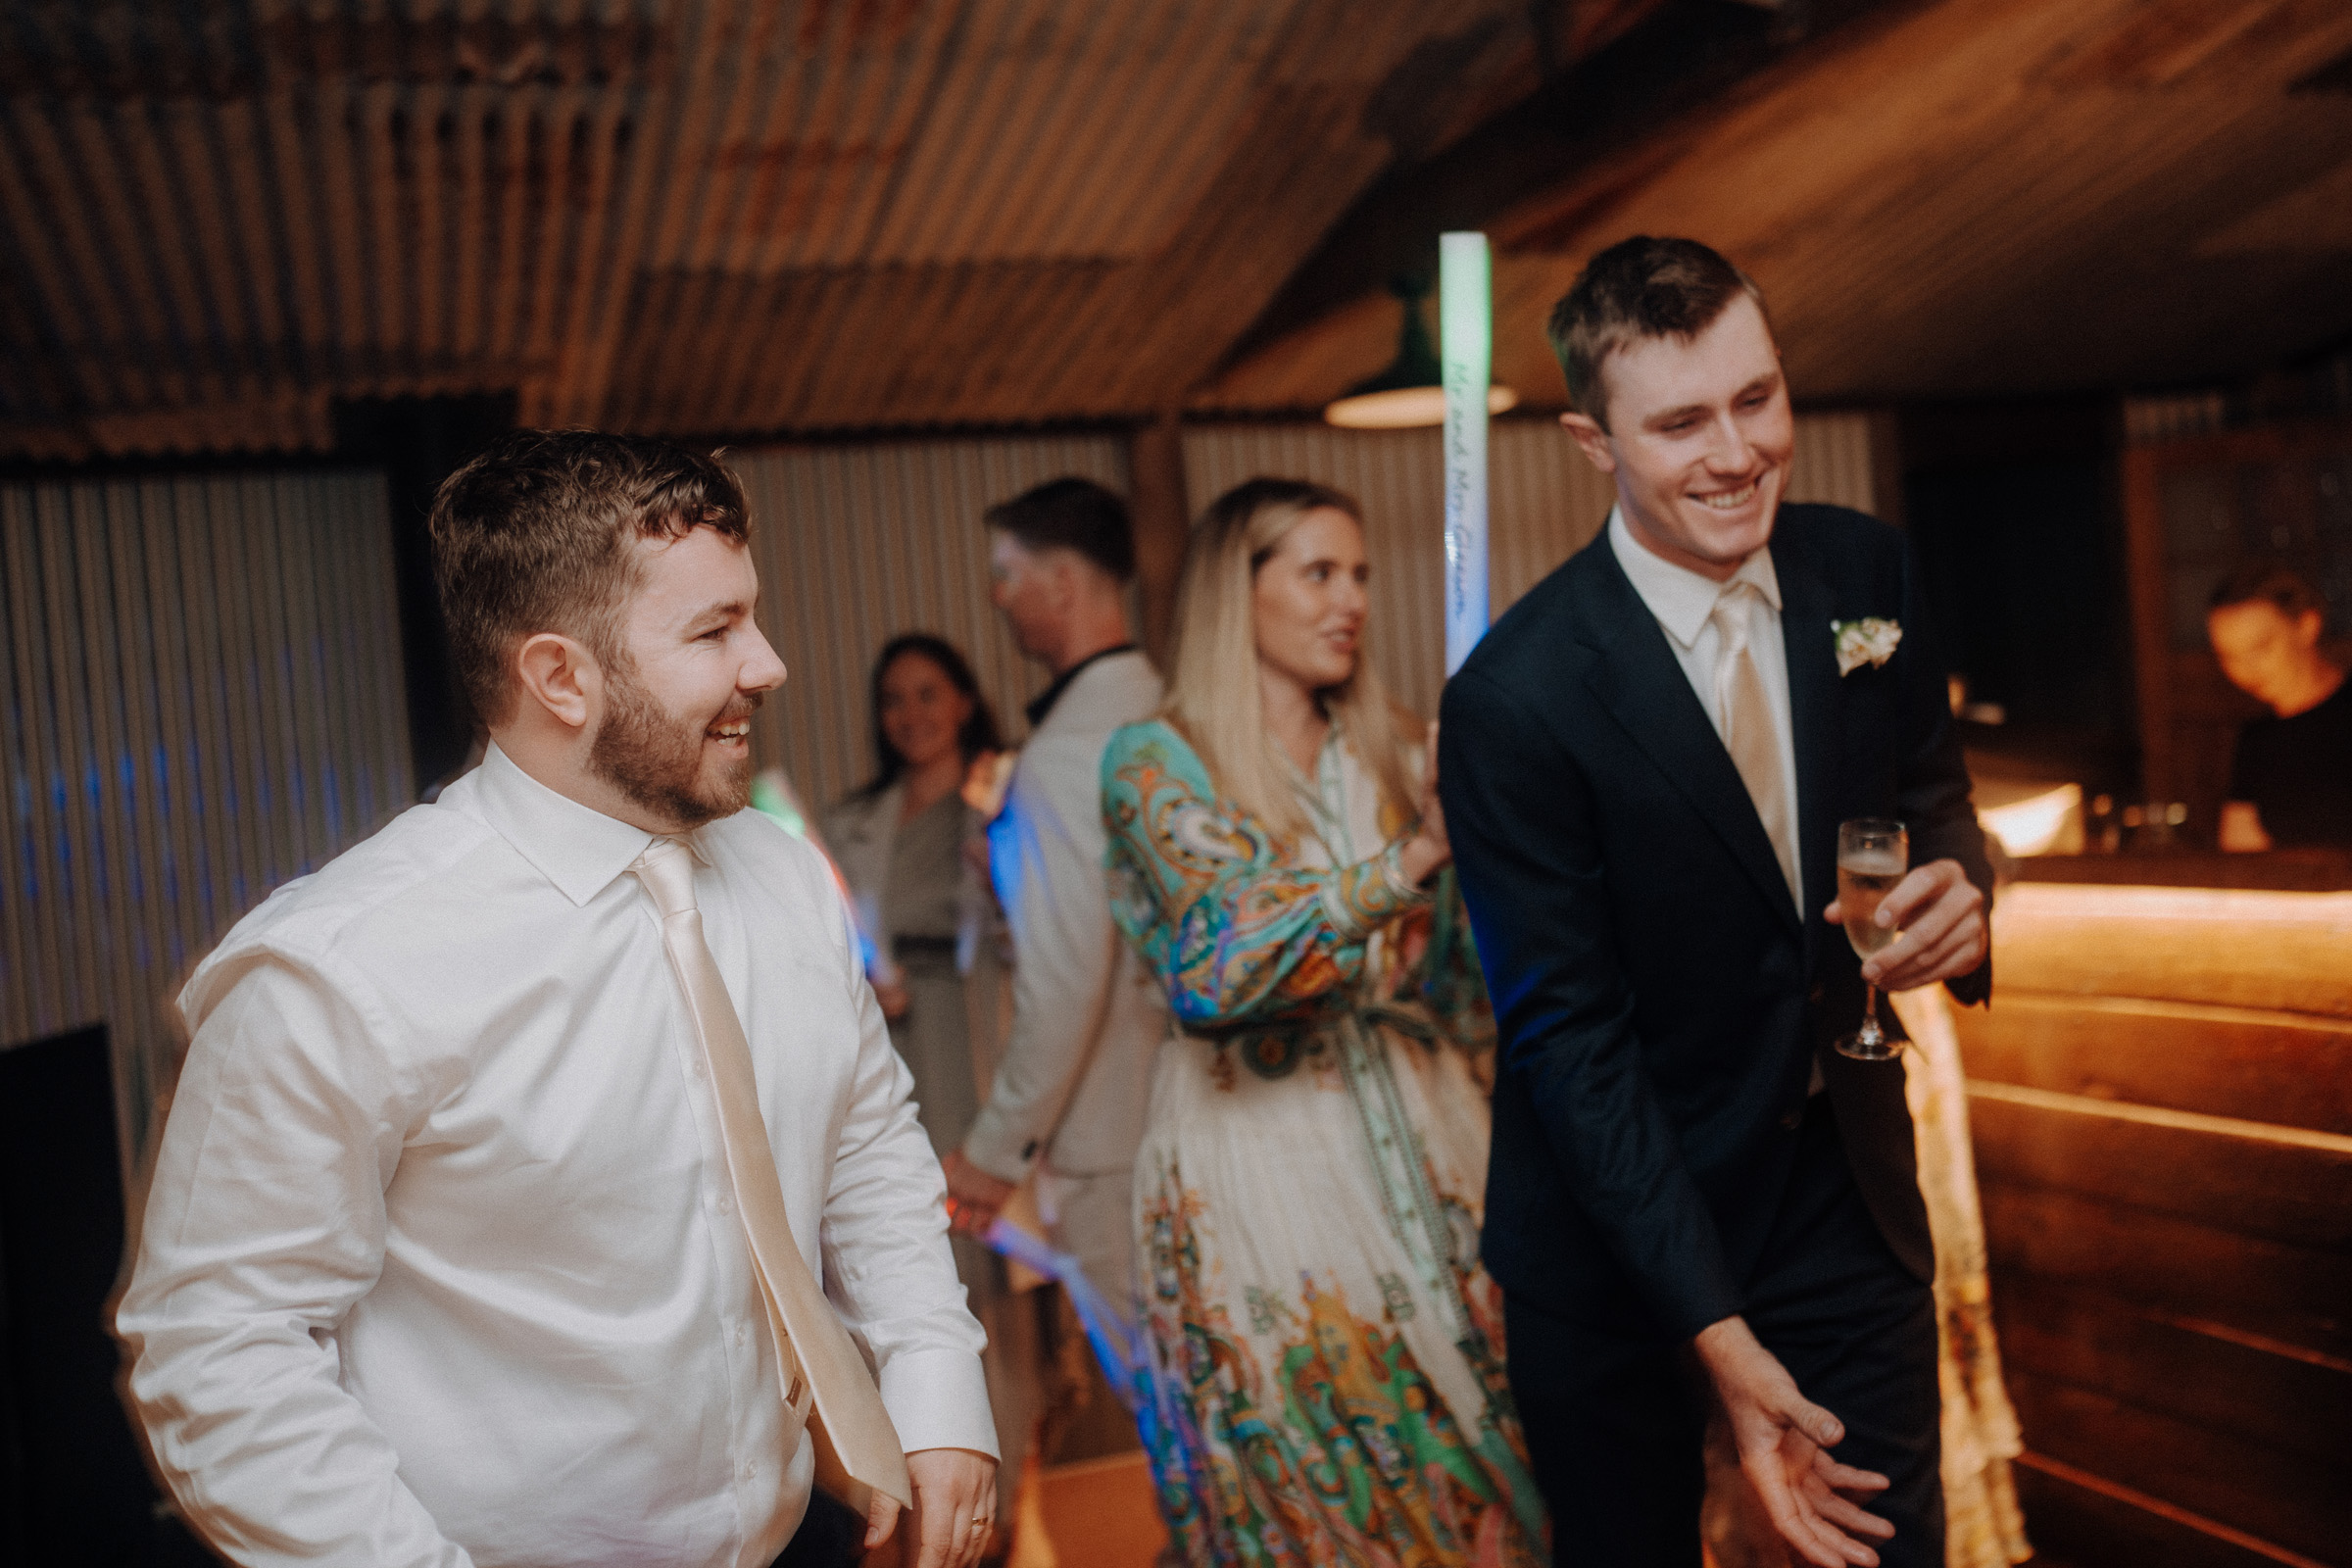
{"x":722,"y":217}
{"x":685,"y":214}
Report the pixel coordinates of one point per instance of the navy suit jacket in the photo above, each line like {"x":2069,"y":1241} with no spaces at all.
{"x":1660,"y":1002}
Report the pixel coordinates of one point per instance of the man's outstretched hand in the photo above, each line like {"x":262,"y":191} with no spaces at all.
{"x":1783,"y":1443}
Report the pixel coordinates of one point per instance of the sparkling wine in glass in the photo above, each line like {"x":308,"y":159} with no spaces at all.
{"x":1872,"y":857}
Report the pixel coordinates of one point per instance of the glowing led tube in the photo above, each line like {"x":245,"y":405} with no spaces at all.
{"x":1466,"y":348}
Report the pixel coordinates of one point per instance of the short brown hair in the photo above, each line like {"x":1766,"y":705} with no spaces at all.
{"x":1071,"y":514}
{"x":1638,"y":287}
{"x":534,"y":536}
{"x":2261,"y":582}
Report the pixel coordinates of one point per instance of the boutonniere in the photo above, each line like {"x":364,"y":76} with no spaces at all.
{"x":1868,"y":641}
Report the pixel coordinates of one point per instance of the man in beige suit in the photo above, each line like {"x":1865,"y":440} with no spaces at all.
{"x":1069,"y":1095}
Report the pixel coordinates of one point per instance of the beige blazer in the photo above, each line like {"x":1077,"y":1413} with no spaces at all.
{"x":1087,"y":1018}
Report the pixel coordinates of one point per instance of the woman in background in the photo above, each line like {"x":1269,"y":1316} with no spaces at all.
{"x":1324,"y":1371}
{"x":925,"y":907}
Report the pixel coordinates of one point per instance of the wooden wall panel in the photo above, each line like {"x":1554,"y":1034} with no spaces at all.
{"x":2292,"y":951}
{"x":2264,"y":1066}
{"x":2284,"y":1498}
{"x":2279,"y":1190}
{"x":2234,"y":1384}
{"x":2173,"y":1267}
{"x":2162,"y":1101}
{"x":2080,"y":1517}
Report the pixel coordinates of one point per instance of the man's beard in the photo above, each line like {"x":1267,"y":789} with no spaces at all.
{"x":654,"y":757}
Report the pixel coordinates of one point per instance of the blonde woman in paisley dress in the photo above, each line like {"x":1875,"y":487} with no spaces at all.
{"x":1323,"y":1378}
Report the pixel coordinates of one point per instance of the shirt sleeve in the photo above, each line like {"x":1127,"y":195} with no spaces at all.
{"x":888,"y":1269}
{"x":1045,"y":857}
{"x":1233,"y":933}
{"x":265,"y":1223}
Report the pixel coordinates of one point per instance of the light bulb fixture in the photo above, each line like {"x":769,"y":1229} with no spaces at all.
{"x":1411,"y":391}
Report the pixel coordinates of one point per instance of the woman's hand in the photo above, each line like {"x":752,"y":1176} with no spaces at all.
{"x":893,"y":996}
{"x":1428,"y":850}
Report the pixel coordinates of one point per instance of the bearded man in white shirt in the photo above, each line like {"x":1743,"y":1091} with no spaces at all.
{"x":456,"y":1251}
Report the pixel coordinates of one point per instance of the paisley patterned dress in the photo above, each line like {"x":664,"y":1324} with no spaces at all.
{"x":1323,"y":1370}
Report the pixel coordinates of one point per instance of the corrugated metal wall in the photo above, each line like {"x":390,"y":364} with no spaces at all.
{"x":860,"y":542}
{"x":200,"y":683}
{"x":689,"y":215}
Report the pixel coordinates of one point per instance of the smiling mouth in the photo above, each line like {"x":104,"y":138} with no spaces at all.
{"x":1728,"y":499}
{"x":734,"y":731}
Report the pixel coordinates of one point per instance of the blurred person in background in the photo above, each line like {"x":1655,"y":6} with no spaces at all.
{"x":2291,"y":781}
{"x":901,"y":843}
{"x":1323,"y":1350}
{"x":1067,"y":1103}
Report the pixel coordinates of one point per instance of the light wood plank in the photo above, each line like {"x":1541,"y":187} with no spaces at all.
{"x":2287,"y":1068}
{"x":2288,"y":951}
{"x":2296,"y":1295}
{"x":2299,"y":1503}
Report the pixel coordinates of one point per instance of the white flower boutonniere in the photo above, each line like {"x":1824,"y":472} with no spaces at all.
{"x":1868,"y":641}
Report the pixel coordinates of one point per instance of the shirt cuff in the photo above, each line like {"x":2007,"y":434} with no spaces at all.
{"x":1000,"y":1148}
{"x":939,"y":1399}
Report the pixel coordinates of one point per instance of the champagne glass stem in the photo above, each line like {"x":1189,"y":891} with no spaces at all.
{"x":1871,"y":1034}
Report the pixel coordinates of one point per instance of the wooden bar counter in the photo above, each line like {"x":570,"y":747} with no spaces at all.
{"x":2161,"y":1095}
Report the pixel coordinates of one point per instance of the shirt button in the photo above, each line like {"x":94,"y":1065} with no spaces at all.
{"x":696,"y":1067}
{"x":723,"y":1203}
{"x":743,"y":1335}
{"x":750,"y":1469}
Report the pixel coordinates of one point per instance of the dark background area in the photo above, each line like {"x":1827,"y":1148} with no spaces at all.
{"x":75,"y":1489}
{"x":2012,"y":508}
{"x":419,"y":442}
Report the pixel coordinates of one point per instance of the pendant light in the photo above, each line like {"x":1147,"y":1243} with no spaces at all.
{"x":1411,"y":391}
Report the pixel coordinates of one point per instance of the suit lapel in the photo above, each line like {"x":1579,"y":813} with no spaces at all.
{"x":1813,"y":719}
{"x":1643,"y":685}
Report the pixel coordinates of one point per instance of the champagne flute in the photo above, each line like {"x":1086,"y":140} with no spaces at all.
{"x":1872,"y":857}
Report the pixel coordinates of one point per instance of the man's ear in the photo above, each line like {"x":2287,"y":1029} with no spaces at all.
{"x":1071,"y":575}
{"x":1593,"y":438}
{"x":559,"y":676}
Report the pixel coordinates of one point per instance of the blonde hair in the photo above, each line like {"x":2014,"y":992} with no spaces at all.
{"x":1213,"y":698}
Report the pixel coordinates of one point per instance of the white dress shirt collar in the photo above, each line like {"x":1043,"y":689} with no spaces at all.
{"x":577,"y":847}
{"x":1680,"y":599}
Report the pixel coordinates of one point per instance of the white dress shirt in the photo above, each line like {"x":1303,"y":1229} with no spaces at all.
{"x":1683,"y":603}
{"x":441,"y":1265}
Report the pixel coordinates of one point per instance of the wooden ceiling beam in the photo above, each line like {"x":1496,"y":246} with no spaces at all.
{"x":1601,"y":123}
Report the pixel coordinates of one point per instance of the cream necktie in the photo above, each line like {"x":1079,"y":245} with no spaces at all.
{"x":857,"y":1448}
{"x":1747,"y":728}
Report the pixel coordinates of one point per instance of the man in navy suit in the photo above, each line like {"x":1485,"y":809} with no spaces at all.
{"x":1694,"y":1199}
